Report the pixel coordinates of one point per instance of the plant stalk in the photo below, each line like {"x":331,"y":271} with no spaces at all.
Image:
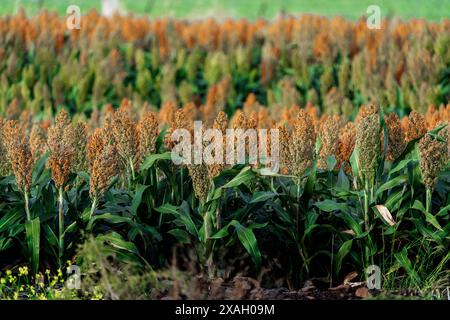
{"x":27,"y":205}
{"x":93,"y":207}
{"x":133,"y":175}
{"x":61,"y":225}
{"x":428,"y":200}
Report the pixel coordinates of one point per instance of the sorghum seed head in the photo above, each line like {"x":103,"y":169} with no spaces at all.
{"x":416,"y":126}
{"x":95,"y":146}
{"x":80,"y":145}
{"x":368,"y":144}
{"x":18,"y":153}
{"x":221,"y":124}
{"x":200,"y":180}
{"x":61,"y":142}
{"x":347,"y":139}
{"x":433,"y":154}
{"x":104,"y":167}
{"x":302,"y":148}
{"x":147,"y":130}
{"x":5,"y":166}
{"x":125,"y":134}
{"x":329,"y":135}
{"x":396,"y":143}
{"x":38,"y":141}
{"x":167,"y":113}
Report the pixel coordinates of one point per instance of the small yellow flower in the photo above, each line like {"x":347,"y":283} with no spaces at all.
{"x":41,"y":296}
{"x":23,"y":271}
{"x":8,"y":272}
{"x":2,"y":280}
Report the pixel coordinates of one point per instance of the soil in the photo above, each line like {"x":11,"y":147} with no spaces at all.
{"x":245,"y":288}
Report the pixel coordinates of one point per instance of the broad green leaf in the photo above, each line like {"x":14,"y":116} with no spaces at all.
{"x":5,"y":243}
{"x":331,"y":162}
{"x":116,"y":240}
{"x":181,"y":213}
{"x":9,"y":219}
{"x":403,"y":260}
{"x":328,"y":205}
{"x":84,"y":175}
{"x":261,"y":196}
{"x":151,"y":159}
{"x":167,"y":208}
{"x":397,"y":181}
{"x":248,"y":240}
{"x":401,"y":165}
{"x":33,"y":233}
{"x":137,"y":198}
{"x":343,"y":183}
{"x":444,"y":211}
{"x":343,"y":251}
{"x":244,"y":176}
{"x":428,"y":216}
{"x":108,"y":217}
{"x":181,"y":235}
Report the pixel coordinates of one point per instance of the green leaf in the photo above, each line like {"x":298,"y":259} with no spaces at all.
{"x":5,"y":243}
{"x":396,"y":182}
{"x":343,"y":251}
{"x":402,"y":164}
{"x":444,"y":211}
{"x":428,"y":216}
{"x":9,"y":219}
{"x":354,"y":162}
{"x":328,"y":205}
{"x":262,"y":196}
{"x":167,"y":208}
{"x":116,"y":240}
{"x":248,"y":240}
{"x":84,"y":175}
{"x":331,"y":162}
{"x":403,"y":260}
{"x":343,"y":184}
{"x":182,"y":214}
{"x":418,"y":206}
{"x":245,"y":175}
{"x":108,"y":217}
{"x":137,"y":198}
{"x":151,"y":159}
{"x":181,"y":235}
{"x":33,"y":233}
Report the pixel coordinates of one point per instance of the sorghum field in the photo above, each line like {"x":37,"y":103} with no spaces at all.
{"x":88,"y":185}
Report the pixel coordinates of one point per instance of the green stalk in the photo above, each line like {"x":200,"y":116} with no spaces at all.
{"x":366,"y":205}
{"x":93,"y":207}
{"x":61,"y":225}
{"x":428,"y":200}
{"x":181,"y":186}
{"x":208,"y":244}
{"x":133,"y":175}
{"x":27,"y":205}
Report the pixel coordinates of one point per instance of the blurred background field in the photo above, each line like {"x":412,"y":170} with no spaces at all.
{"x":250,"y":9}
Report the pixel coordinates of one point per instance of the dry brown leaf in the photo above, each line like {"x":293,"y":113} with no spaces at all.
{"x":350,"y":232}
{"x":362,"y":292}
{"x":385,"y":214}
{"x":350,"y":277}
